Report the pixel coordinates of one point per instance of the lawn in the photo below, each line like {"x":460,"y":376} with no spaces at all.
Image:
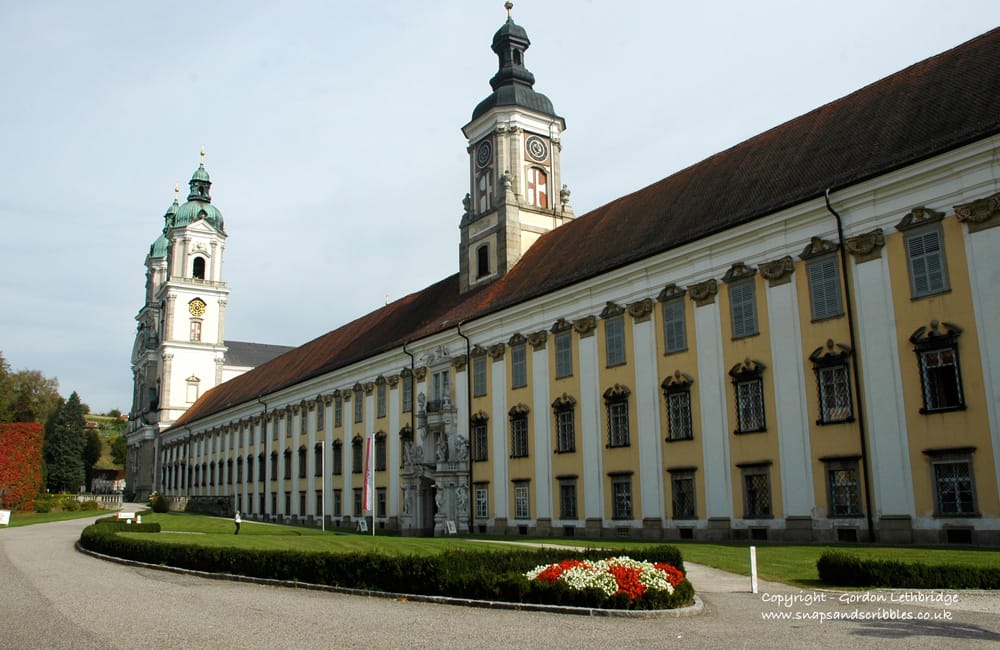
{"x":792,"y":564}
{"x":29,"y":518}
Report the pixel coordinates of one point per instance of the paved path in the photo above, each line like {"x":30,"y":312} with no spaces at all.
{"x":54,"y":597}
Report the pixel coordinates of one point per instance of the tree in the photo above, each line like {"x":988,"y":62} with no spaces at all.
{"x":21,"y":469}
{"x":119,"y":448}
{"x":34,"y":397}
{"x":6,"y":391}
{"x":91,"y":454}
{"x":64,"y":444}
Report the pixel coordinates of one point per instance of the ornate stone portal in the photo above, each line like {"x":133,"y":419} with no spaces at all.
{"x":435,"y":473}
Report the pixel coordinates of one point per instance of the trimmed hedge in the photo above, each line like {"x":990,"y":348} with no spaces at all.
{"x":842,"y":569}
{"x":479,"y":575}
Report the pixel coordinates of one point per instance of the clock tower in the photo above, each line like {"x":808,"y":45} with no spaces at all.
{"x":179,"y":351}
{"x":516,"y":192}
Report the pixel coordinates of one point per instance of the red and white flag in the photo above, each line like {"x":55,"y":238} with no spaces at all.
{"x":368,"y":501}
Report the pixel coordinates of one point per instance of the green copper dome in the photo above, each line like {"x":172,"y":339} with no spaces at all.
{"x":161,"y":246}
{"x":199,"y":204}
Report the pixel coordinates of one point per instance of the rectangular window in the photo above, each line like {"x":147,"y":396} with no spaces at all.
{"x":478,"y":375}
{"x":380,"y":502}
{"x":679,"y":415}
{"x":927,"y":265}
{"x":564,"y":354}
{"x":824,"y":288}
{"x":380,"y":400}
{"x":518,"y":366}
{"x":196,"y":330}
{"x":288,"y":504}
{"x":750,"y":405}
{"x":480,"y":442}
{"x":262,"y":467}
{"x":302,"y":462}
{"x":674,"y":330}
{"x":565,"y":431}
{"x":302,"y":503}
{"x":844,"y":489}
{"x":274,"y":466}
{"x":338,"y":411}
{"x":567,"y":499}
{"x":288,"y":423}
{"x":320,"y":415}
{"x":440,"y":390}
{"x":522,"y":502}
{"x":940,"y":379}
{"x":519,"y":436}
{"x":318,"y":503}
{"x":834,"y":394}
{"x":618,"y":435}
{"x":954,"y":490}
{"x":621,"y":493}
{"x":318,"y":460}
{"x":357,"y":502}
{"x":304,"y":421}
{"x":614,"y":340}
{"x":380,"y":453}
{"x":356,"y":456}
{"x":756,"y":492}
{"x":338,"y":459}
{"x":249,"y":469}
{"x":482,"y":501}
{"x":287,"y":462}
{"x":338,"y":503}
{"x":743,"y":309}
{"x":682,"y":493}
{"x":407,"y":390}
{"x":359,"y":406}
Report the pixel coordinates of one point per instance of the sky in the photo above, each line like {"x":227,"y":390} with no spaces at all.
{"x":333,"y":138}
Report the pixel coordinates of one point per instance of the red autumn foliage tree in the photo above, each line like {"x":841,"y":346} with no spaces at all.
{"x":20,"y":464}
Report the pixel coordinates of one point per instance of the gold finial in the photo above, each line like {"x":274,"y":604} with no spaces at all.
{"x":177,"y":191}
{"x":386,"y":299}
{"x":508,"y":6}
{"x":203,"y":154}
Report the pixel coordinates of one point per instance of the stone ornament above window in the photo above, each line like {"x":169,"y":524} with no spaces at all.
{"x":703,"y":293}
{"x":585,"y":326}
{"x":642,"y":310}
{"x":778,"y":272}
{"x":537,"y":339}
{"x":737,"y":272}
{"x":369,"y":387}
{"x":980,"y":214}
{"x":818,"y":246}
{"x":866,"y":247}
{"x":496,"y":351}
{"x":459,"y":362}
{"x":617,"y":392}
{"x":516,"y":339}
{"x":747,"y":369}
{"x":919,"y":216}
{"x":934,"y":335}
{"x":392,"y":380}
{"x":380,"y":380}
{"x":678,"y":380}
{"x":561,"y":325}
{"x":830,"y":354}
{"x":420,"y":373}
{"x":564,"y":401}
{"x":670,"y":292}
{"x":518,"y":410}
{"x":611,"y":310}
{"x":480,"y":416}
{"x":478,"y":351}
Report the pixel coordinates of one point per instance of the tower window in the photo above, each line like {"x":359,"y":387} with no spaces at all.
{"x":199,"y":268}
{"x":483,"y":261}
{"x":537,"y":193}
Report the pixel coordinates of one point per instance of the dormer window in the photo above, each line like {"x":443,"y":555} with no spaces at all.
{"x":518,"y":57}
{"x":483,"y":261}
{"x":199,"y":268}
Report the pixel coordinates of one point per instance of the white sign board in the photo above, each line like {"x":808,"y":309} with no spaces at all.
{"x":363,"y":525}
{"x":450,"y":525}
{"x":4,"y":517}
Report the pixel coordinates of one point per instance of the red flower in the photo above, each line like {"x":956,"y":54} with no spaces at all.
{"x":628,"y":580}
{"x":674,"y":576}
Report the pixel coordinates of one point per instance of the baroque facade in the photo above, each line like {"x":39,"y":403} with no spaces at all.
{"x":795,"y":339}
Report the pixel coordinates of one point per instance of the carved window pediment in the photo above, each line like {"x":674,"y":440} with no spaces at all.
{"x":866,"y":246}
{"x":747,"y":369}
{"x":703,"y":293}
{"x":518,"y":410}
{"x":919,"y":216}
{"x":831,"y":354}
{"x":670,"y":292}
{"x":561,"y":325}
{"x":585,"y":326}
{"x":496,"y":351}
{"x":980,"y":214}
{"x":480,"y":416}
{"x":538,"y":339}
{"x":739,"y":271}
{"x":779,"y":271}
{"x":677,"y":381}
{"x":563,"y":402}
{"x":393,"y":380}
{"x":617,"y":393}
{"x":641,"y":311}
{"x":935,"y":336}
{"x":611,"y":310}
{"x":478,"y":351}
{"x":517,"y":339}
{"x":817,"y":247}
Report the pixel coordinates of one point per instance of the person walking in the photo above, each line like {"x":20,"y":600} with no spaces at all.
{"x":236,"y":520}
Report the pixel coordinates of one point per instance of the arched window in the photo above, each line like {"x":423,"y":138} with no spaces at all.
{"x":537,"y":190}
{"x":483,"y":261}
{"x":199,"y":268}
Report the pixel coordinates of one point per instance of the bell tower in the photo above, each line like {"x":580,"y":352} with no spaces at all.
{"x":515,"y":187}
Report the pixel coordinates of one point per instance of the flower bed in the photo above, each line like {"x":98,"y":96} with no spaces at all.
{"x":621,"y":580}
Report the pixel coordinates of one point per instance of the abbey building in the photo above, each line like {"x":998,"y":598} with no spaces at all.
{"x":795,"y":339}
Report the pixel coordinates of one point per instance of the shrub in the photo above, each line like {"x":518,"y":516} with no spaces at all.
{"x":70,"y":504}
{"x":90,"y":505}
{"x":842,"y":569}
{"x":159,"y":503}
{"x":43,"y":505}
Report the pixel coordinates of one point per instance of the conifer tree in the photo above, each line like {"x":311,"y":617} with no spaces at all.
{"x":64,"y":445}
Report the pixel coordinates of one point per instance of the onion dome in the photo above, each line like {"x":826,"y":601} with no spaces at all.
{"x":199,"y":202}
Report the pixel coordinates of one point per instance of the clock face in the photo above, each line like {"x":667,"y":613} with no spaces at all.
{"x":484,"y":154}
{"x":197,"y":307}
{"x":536,"y":148}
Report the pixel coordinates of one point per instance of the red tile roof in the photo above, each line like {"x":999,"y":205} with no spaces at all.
{"x":944,"y":102}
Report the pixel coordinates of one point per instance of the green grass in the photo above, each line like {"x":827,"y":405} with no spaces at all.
{"x":29,"y":518}
{"x":791,"y":564}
